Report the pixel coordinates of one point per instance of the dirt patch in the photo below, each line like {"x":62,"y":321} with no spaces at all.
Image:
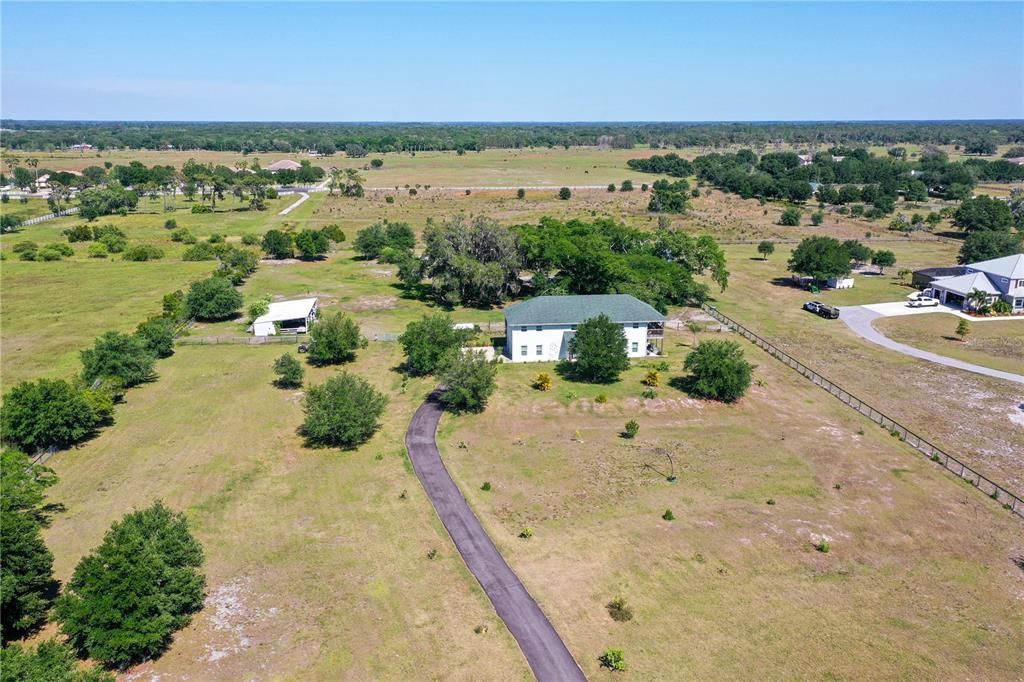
{"x":279,"y":261}
{"x":372,"y":303}
{"x":232,"y":616}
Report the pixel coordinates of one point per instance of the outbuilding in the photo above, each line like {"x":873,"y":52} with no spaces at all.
{"x":541,"y":329}
{"x":286,"y":317}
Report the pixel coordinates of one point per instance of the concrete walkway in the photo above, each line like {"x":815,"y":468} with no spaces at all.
{"x":303,"y":198}
{"x":859,"y":319}
{"x":547,"y":655}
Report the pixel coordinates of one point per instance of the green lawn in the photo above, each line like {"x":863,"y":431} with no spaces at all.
{"x":995,"y":344}
{"x":30,"y":209}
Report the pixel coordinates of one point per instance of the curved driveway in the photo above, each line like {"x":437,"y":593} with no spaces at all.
{"x":547,"y":655}
{"x":859,"y":319}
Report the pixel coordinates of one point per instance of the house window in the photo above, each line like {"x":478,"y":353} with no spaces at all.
{"x":540,"y":328}
{"x":523,"y":328}
{"x":522,"y":351}
{"x":636,"y":325}
{"x":572,"y":327}
{"x":540,"y":349}
{"x":636,"y":347}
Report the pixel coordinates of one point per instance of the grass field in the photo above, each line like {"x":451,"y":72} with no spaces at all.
{"x":908,"y":590}
{"x":317,"y":565}
{"x":995,"y":344}
{"x":916,"y":392}
{"x":317,"y":562}
{"x":30,"y":209}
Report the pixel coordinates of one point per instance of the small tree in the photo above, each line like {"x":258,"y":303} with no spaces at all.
{"x":520,"y":193}
{"x":632,"y":428}
{"x":128,"y":597}
{"x":903,"y":273}
{"x":289,"y":371}
{"x":213,"y":299}
{"x":719,"y":371}
{"x":431,"y":343}
{"x":344,"y":411}
{"x":278,"y":244}
{"x":611,"y":186}
{"x":47,"y":412}
{"x":565,"y":194}
{"x":312,"y":244}
{"x":817,"y":218}
{"x":600,"y":350}
{"x":118,"y":356}
{"x":790,"y":217}
{"x":613,"y":659}
{"x":627,"y":186}
{"x":335,"y":338}
{"x":883,"y":259}
{"x":766,"y":248}
{"x":652,"y":378}
{"x":963,"y":329}
{"x":694,"y":327}
{"x":157,"y":333}
{"x":259,"y":307}
{"x":469,"y":382}
{"x":50,"y":661}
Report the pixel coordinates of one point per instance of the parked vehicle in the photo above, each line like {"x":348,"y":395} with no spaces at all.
{"x":829,"y":312}
{"x":924,"y":302}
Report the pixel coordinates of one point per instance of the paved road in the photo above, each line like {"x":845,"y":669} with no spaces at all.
{"x":544,"y":649}
{"x":859,"y":319}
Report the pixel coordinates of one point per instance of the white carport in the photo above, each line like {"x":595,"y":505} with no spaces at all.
{"x":286,"y":317}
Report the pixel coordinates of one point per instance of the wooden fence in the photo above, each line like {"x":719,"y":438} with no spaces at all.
{"x":997,"y":492}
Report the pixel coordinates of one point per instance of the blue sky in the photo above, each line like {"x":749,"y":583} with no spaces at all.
{"x":512,"y":61}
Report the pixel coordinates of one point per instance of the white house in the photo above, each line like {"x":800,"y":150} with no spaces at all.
{"x":284,"y":164}
{"x":1000,"y":278}
{"x":540,"y":329}
{"x":286,"y":317}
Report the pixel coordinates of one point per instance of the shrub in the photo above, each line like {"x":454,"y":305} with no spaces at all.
{"x":817,"y":218}
{"x":486,"y":487}
{"x":649,"y":394}
{"x":469,"y":382}
{"x":611,"y":186}
{"x":289,"y":371}
{"x":97,"y":250}
{"x":213,"y":299}
{"x":719,"y":371}
{"x":1001,"y":307}
{"x":333,"y":233}
{"x":113,"y":240}
{"x":520,"y":193}
{"x":183,"y":235}
{"x":215,"y":238}
{"x":668,"y":515}
{"x":632,"y":428}
{"x":613,"y":659}
{"x":790,"y":216}
{"x":151,"y":562}
{"x":644,"y":187}
{"x":526,"y":533}
{"x":542,"y":382}
{"x":627,"y":186}
{"x":389,"y":199}
{"x":142,"y":252}
{"x":601,"y":399}
{"x":652,"y":378}
{"x":50,"y":661}
{"x":119,"y":356}
{"x":201,"y":208}
{"x":47,"y":412}
{"x":334,"y":338}
{"x":600,"y":349}
{"x":565,"y":194}
{"x":170,"y":224}
{"x":823,"y":546}
{"x":52,"y":252}
{"x":619,"y":610}
{"x":251,"y":239}
{"x":344,"y":411}
{"x":78,"y":233}
{"x":199,"y":252}
{"x":430,"y":343}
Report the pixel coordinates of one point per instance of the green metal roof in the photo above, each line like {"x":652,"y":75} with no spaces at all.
{"x":575,"y":309}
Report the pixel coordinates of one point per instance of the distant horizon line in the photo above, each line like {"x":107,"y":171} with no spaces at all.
{"x":516,"y":122}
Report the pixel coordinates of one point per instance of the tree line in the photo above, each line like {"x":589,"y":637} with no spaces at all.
{"x":357,"y":139}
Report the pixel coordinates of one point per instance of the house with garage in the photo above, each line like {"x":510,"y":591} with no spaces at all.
{"x":284,"y":164}
{"x":999,"y":278}
{"x":541,"y":329}
{"x":286,"y":317}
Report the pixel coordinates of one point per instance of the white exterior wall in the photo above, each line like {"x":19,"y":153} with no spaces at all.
{"x":263,"y":329}
{"x":549,"y":338}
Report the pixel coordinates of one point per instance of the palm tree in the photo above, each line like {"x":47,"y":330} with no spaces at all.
{"x":353,"y":183}
{"x":335,"y":179}
{"x":694,"y":328}
{"x":978,"y":299}
{"x":34,"y":164}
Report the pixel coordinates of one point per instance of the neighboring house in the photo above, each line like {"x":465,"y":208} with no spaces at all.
{"x":541,"y":329}
{"x":284,"y":164}
{"x":286,"y":317}
{"x":81,"y":147}
{"x":1000,"y":278}
{"x":805,"y":159}
{"x":1017,"y":160}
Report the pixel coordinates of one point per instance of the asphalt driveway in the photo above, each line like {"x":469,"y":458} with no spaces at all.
{"x":545,"y":651}
{"x":859,"y":319}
